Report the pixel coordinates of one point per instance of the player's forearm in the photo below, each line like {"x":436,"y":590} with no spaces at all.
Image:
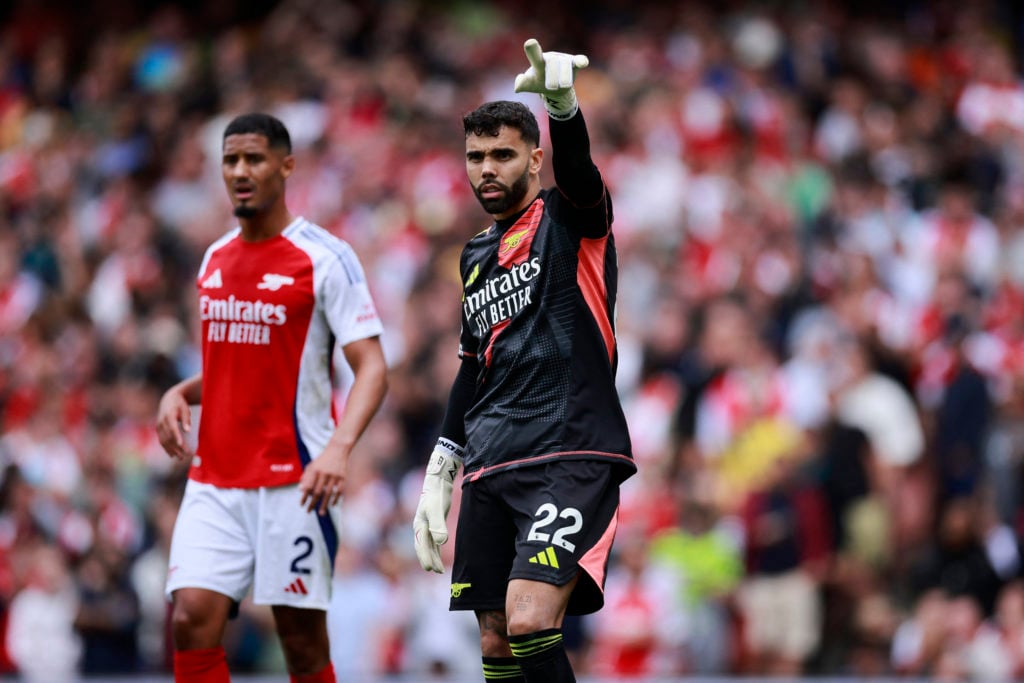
{"x":576,"y":175}
{"x":364,"y":399}
{"x":459,"y":400}
{"x":191,"y":389}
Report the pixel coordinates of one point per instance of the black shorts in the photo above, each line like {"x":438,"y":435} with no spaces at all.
{"x":542,"y":523}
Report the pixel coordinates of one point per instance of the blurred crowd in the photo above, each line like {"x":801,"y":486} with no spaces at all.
{"x":820,"y":221}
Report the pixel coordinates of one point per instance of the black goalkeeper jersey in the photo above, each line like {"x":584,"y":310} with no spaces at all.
{"x":538,"y":316}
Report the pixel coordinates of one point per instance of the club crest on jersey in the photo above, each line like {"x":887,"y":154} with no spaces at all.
{"x":516,"y":244}
{"x":512,"y":241}
{"x":274,"y":282}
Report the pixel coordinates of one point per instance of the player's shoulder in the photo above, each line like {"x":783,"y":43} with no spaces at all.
{"x":316,"y":240}
{"x":224,"y":240}
{"x":324,"y":248}
{"x":482,"y":236}
{"x":554,"y":200}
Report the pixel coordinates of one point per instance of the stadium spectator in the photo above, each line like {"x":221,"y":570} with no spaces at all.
{"x":703,"y":554}
{"x":641,"y":630}
{"x":960,"y":563}
{"x":41,"y":637}
{"x":148,"y":574}
{"x":108,"y":612}
{"x":788,"y":550}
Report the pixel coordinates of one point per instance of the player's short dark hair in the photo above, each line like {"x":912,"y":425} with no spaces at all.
{"x":266,"y":125}
{"x":488,"y":118}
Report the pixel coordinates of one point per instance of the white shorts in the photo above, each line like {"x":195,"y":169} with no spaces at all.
{"x":228,"y":540}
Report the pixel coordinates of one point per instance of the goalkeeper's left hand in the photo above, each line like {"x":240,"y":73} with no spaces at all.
{"x":551,"y":75}
{"x":430,"y":523}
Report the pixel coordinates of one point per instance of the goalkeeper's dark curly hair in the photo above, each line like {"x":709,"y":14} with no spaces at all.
{"x":488,"y":118}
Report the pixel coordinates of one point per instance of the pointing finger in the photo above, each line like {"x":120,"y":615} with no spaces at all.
{"x":533,"y":53}
{"x":581,"y":61}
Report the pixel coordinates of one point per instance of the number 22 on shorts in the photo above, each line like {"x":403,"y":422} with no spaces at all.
{"x":546,"y":516}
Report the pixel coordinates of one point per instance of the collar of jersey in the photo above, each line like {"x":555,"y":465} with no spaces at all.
{"x":500,"y":226}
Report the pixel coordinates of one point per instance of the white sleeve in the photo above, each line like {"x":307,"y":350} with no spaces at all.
{"x":347,"y":303}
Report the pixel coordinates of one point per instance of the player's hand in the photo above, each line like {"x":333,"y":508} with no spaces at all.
{"x":551,"y":75}
{"x":430,"y":526}
{"x":323,"y":480}
{"x":173,"y":421}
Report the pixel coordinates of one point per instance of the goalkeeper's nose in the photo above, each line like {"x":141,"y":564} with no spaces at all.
{"x":488,"y":169}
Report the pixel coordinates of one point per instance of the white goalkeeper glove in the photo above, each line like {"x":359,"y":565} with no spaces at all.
{"x":429,"y":525}
{"x":551,"y":74}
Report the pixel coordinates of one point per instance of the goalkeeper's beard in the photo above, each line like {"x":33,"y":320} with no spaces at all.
{"x":511,"y":196}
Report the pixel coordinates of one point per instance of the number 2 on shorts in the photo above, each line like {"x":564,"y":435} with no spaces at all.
{"x":307,"y":543}
{"x":546,"y":514}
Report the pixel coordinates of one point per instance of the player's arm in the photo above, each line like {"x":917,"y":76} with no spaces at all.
{"x":174,"y":418}
{"x":576,"y":175}
{"x":430,"y":523}
{"x":323,"y":480}
{"x":460,"y":398}
{"x":551,"y":75}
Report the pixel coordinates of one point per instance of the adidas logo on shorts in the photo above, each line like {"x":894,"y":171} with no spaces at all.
{"x":546,"y":557}
{"x":297,"y":587}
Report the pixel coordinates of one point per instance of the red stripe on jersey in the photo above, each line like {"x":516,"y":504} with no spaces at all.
{"x":495,"y":331}
{"x":590,"y":278}
{"x":595,"y":561}
{"x":517,"y":240}
{"x":302,"y":587}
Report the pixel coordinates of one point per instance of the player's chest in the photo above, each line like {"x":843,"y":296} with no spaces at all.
{"x":509,"y":276}
{"x":501,"y":262}
{"x":258,"y":286}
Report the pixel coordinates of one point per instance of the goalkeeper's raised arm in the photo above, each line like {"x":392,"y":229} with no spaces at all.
{"x":552,"y":75}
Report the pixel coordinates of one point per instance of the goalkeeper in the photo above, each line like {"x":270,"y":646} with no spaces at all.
{"x":533,"y":415}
